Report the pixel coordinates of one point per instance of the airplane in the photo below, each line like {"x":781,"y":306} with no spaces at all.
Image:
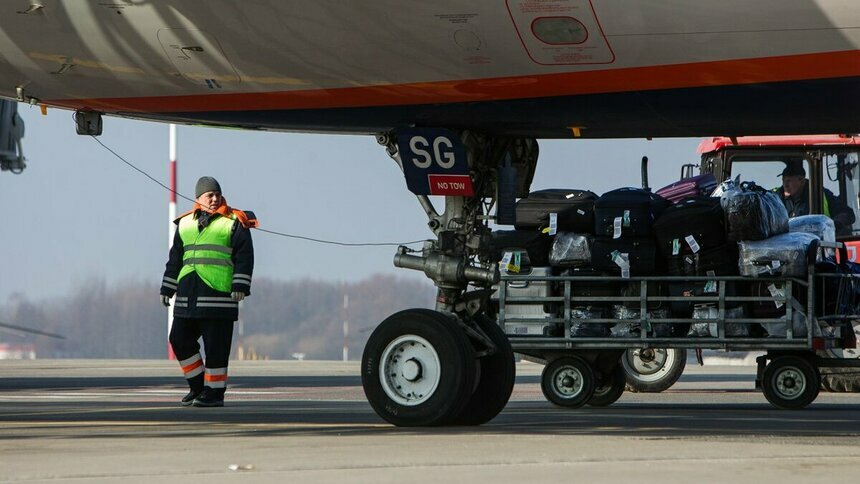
{"x":457,"y":92}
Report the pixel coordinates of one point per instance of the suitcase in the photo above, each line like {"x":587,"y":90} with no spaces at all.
{"x":588,"y":330}
{"x":586,"y":289}
{"x":641,"y":255}
{"x":705,"y":329}
{"x":534,"y":246}
{"x":701,"y":185}
{"x":753,"y":213}
{"x":690,"y":226}
{"x":627,"y":212}
{"x":785,"y":255}
{"x":536,"y":311}
{"x":571,"y":250}
{"x":634,"y":289}
{"x":719,"y":261}
{"x":684,"y":309}
{"x":574,"y":208}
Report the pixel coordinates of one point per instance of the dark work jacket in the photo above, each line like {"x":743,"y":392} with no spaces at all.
{"x":843,"y":217}
{"x":191,"y":291}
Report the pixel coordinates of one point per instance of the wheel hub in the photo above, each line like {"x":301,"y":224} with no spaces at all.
{"x":568,"y":382}
{"x":647,"y":362}
{"x":409,"y":370}
{"x":790,"y":383}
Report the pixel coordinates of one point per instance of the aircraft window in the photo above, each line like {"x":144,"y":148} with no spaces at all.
{"x":559,"y":30}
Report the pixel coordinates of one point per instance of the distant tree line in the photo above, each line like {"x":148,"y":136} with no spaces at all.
{"x":279,"y":319}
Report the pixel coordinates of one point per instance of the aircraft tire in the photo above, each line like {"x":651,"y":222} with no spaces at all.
{"x":418,"y":369}
{"x":496,"y":375}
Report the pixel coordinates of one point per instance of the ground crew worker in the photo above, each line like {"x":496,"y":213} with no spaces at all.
{"x":795,"y":197}
{"x":209,"y":270}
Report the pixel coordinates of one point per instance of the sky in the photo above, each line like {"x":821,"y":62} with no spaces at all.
{"x":79,"y":213}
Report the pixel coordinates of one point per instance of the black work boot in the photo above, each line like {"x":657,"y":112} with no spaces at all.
{"x":210,"y":397}
{"x":196,"y":388}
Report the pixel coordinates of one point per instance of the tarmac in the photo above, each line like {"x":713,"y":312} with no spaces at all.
{"x":305,"y":421}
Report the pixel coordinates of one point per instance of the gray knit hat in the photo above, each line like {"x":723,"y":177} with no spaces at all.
{"x":206,"y":184}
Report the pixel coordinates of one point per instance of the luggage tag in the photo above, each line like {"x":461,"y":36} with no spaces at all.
{"x":553,"y":223}
{"x":691,"y":241}
{"x":616,"y":228}
{"x":711,"y":286}
{"x":510,"y":262}
{"x":580,"y":211}
{"x":622,"y":260}
{"x":627,"y":218}
{"x":775,"y":264}
{"x":776,"y":292}
{"x":676,"y":246}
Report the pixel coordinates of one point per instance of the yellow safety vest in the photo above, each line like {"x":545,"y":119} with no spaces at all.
{"x":208,"y":251}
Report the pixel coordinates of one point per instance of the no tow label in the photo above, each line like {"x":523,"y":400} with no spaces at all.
{"x":434,"y":162}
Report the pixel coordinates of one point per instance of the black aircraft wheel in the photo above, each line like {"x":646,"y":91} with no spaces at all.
{"x":610,"y":389}
{"x":496,"y":379}
{"x":418,"y":369}
{"x":568,"y":382}
{"x":652,"y":370}
{"x":790,"y":382}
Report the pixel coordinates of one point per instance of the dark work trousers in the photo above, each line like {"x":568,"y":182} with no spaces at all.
{"x":217,"y":339}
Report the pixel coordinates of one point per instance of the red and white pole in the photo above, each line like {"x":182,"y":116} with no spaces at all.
{"x":171,"y":227}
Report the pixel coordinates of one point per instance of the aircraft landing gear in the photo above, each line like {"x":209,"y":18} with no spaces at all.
{"x":454,"y":365}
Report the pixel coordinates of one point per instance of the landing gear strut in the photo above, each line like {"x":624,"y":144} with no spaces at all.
{"x":454,"y":365}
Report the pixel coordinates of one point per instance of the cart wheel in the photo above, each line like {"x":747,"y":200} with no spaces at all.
{"x":790,"y":382}
{"x":610,"y":389}
{"x":652,"y":370}
{"x":568,"y":382}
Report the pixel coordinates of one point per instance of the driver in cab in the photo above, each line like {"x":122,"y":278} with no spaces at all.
{"x":795,"y":197}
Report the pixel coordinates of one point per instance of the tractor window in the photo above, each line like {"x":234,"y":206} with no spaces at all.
{"x":765,"y":173}
{"x":841,"y":178}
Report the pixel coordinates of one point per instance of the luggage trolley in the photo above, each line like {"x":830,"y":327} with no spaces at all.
{"x":586,"y":370}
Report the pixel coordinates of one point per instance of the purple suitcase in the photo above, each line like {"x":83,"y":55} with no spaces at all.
{"x":701,"y":185}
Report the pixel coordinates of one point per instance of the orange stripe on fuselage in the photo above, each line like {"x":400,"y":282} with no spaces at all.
{"x":699,"y":74}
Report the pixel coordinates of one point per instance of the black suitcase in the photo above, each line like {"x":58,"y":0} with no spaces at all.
{"x":627,"y":212}
{"x":690,"y":226}
{"x":684,"y":309}
{"x":641,"y":254}
{"x":535,"y":245}
{"x":587,"y":289}
{"x":719,"y":261}
{"x":575,"y":210}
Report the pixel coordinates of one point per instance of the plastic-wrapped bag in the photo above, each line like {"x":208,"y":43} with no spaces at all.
{"x":779,"y":330}
{"x":782,"y":255}
{"x":588,"y":330}
{"x":821,"y":226}
{"x":571,"y":250}
{"x":725,"y":187}
{"x":631,"y":328}
{"x":753,"y":213}
{"x":710,"y":329}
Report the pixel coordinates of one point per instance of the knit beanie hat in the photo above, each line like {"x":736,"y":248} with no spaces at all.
{"x":206,"y":184}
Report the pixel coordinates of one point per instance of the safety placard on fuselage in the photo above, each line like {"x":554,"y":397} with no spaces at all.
{"x":434,"y":162}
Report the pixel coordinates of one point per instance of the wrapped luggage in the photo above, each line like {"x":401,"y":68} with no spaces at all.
{"x":780,"y":330}
{"x":753,"y":213}
{"x":701,"y":185}
{"x":588,"y":330}
{"x":574,"y":210}
{"x":630,"y":329}
{"x":782,"y":255}
{"x":690,"y":226}
{"x":627,"y":212}
{"x":571,"y":250}
{"x":710,"y":329}
{"x":821,"y":226}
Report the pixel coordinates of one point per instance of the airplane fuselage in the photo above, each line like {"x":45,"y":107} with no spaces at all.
{"x":536,"y":68}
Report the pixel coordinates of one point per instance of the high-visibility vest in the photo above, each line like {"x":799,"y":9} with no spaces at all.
{"x":208,"y":251}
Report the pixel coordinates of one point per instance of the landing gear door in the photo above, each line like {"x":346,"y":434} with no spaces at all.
{"x":11,"y":132}
{"x":434,"y":162}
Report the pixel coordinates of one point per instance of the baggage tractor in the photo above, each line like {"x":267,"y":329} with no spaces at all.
{"x":641,"y":255}
{"x":534,"y":244}
{"x":690,"y":226}
{"x":541,"y":311}
{"x":701,"y":185}
{"x":719,"y":261}
{"x":574,"y":209}
{"x":627,"y":212}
